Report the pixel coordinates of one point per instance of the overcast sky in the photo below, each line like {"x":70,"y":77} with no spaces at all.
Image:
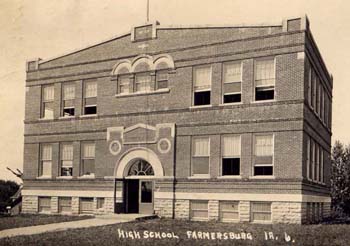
{"x":45,"y":29}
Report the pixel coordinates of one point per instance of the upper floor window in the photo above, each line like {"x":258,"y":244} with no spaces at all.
{"x":66,"y":159}
{"x":265,"y":79}
{"x":88,"y":159}
{"x":231,"y":155}
{"x":47,"y":102}
{"x":200,"y":155}
{"x":68,"y":105}
{"x":201,"y":85}
{"x":263,"y":159}
{"x":90,"y":97}
{"x":45,"y":160}
{"x":124,"y":84}
{"x":232,"y":82}
{"x":142,"y":82}
{"x":162,"y":79}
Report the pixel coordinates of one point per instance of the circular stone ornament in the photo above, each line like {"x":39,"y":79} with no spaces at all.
{"x":164,"y":145}
{"x":115,"y":147}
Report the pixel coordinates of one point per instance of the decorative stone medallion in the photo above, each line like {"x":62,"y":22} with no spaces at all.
{"x":115,"y":147}
{"x":164,"y":145}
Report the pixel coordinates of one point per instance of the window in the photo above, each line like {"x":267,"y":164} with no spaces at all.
{"x":265,"y":79}
{"x":90,"y":97}
{"x":66,"y":159}
{"x":308,"y":158}
{"x":200,"y":156}
{"x":86,"y":205}
{"x":232,"y":79}
{"x":88,"y":159}
{"x":263,"y":164}
{"x":321,"y":103}
{"x":100,"y":203}
{"x":231,"y":155}
{"x":46,"y":160}
{"x":317,"y":159}
{"x":47,"y":102}
{"x":64,"y":204}
{"x":142,"y":82}
{"x":124,"y":84}
{"x":201,"y":86}
{"x":322,"y":167}
{"x":162,"y":79}
{"x":146,"y":192}
{"x":199,"y":210}
{"x":313,"y":159}
{"x":229,"y":211}
{"x":309,"y":87}
{"x":314,"y":89}
{"x":44,"y":204}
{"x":261,"y":211}
{"x":68,"y":97}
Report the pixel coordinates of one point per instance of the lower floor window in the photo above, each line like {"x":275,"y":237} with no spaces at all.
{"x":64,"y":204}
{"x":229,"y":211}
{"x":100,"y":202}
{"x":199,"y":210}
{"x":261,"y":211}
{"x":86,"y":205}
{"x":44,"y":204}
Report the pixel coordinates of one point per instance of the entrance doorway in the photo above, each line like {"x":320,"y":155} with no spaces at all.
{"x":138,"y":191}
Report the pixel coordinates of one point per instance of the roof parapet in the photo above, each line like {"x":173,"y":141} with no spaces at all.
{"x":33,"y":64}
{"x":295,"y":24}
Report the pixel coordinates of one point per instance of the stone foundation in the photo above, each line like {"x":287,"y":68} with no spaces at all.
{"x":286,"y":212}
{"x":182,"y":209}
{"x":164,"y":207}
{"x":29,"y":204}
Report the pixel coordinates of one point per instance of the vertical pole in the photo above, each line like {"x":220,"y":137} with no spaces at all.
{"x":147,"y":10}
{"x":114,"y":196}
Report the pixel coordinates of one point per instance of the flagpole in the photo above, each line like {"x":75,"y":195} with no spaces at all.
{"x":147,"y":10}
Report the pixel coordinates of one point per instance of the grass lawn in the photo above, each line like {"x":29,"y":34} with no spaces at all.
{"x":329,"y":235}
{"x":35,"y":219}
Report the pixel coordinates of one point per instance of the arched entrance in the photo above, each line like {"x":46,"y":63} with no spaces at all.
{"x":138,"y":189}
{"x":137,"y":169}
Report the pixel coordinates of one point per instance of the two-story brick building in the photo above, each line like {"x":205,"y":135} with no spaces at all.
{"x":229,"y":123}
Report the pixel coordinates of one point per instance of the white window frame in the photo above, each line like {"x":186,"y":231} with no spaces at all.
{"x":62,"y":160}
{"x":194,"y":89}
{"x":252,"y":212}
{"x":194,"y":156}
{"x":44,"y":102}
{"x":87,"y":158}
{"x":64,"y":99}
{"x":222,"y":155}
{"x":40,"y":205}
{"x":255,"y":80}
{"x":191,"y":209}
{"x":42,"y":160}
{"x":273,"y":157}
{"x":119,"y":83}
{"x":85,"y":96}
{"x":231,"y":82}
{"x":143,"y":74}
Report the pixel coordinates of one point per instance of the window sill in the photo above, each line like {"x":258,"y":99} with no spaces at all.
{"x":64,"y":177}
{"x":88,"y":115}
{"x":262,"y":177}
{"x":263,"y":101}
{"x":201,"y":106}
{"x":91,"y":176}
{"x":44,"y":177}
{"x":230,"y":177}
{"x":199,"y":177}
{"x":46,"y":119}
{"x":228,"y":104}
{"x":67,"y":117}
{"x":159,"y":91}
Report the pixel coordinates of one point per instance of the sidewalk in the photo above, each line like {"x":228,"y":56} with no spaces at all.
{"x":98,"y":221}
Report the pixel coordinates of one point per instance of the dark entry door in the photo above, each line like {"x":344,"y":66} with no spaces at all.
{"x":132,"y":196}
